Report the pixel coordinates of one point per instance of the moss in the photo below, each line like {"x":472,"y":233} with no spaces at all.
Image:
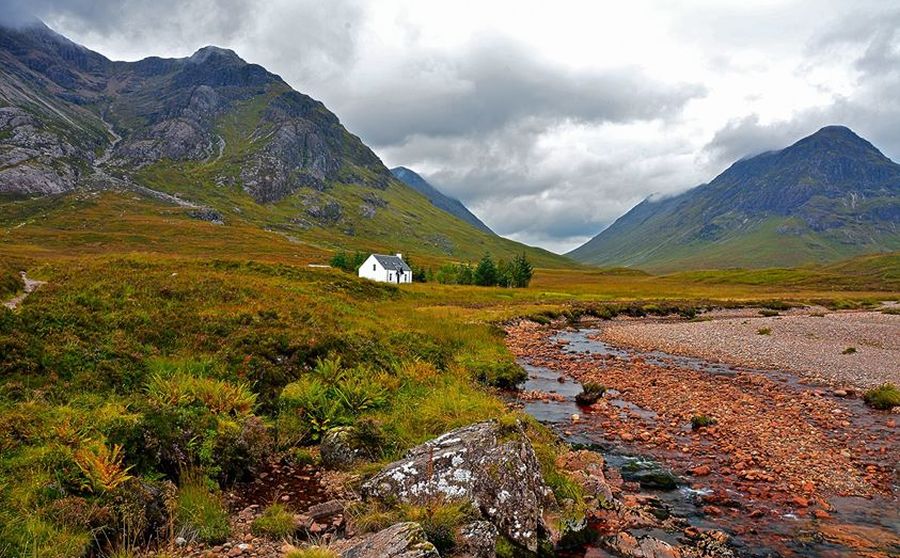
{"x":702,"y":421}
{"x":200,"y":513}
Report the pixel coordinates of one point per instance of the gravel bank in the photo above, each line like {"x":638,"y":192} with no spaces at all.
{"x":802,"y":343}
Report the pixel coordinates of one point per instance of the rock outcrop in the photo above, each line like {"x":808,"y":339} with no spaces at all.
{"x":491,"y":466}
{"x":402,"y":540}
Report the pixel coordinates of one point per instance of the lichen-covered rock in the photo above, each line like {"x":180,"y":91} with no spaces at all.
{"x":492,"y":467}
{"x":339,"y":449}
{"x":403,"y":540}
{"x":477,"y":540}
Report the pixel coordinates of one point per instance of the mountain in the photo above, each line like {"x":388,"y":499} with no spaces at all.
{"x":451,"y":205}
{"x":829,"y":196}
{"x":224,"y":139}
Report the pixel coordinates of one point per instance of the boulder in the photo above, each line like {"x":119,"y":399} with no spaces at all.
{"x":402,"y":540}
{"x":643,"y":547}
{"x":477,"y":540}
{"x":491,"y":466}
{"x":585,"y":467}
{"x":339,"y":449}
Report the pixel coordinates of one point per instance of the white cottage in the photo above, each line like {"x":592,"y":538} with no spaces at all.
{"x":387,"y":269}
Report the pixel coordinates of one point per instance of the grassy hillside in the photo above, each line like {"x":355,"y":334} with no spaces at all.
{"x":181,"y":343}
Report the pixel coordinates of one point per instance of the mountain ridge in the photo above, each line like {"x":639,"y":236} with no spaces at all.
{"x":214,"y":133}
{"x":827,"y":196}
{"x":449,"y":204}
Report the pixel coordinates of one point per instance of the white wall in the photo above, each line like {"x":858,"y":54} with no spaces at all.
{"x":371,"y":269}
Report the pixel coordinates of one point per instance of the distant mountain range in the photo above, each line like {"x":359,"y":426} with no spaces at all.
{"x":451,"y":205}
{"x":226,"y":139}
{"x":829,"y":196}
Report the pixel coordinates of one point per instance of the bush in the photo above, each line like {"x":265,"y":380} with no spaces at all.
{"x":347,"y":262}
{"x":500,"y":374}
{"x":764,"y":331}
{"x":200,"y":514}
{"x":702,"y":421}
{"x":590,"y":393}
{"x":275,"y":521}
{"x":884,"y":397}
{"x":849,"y":351}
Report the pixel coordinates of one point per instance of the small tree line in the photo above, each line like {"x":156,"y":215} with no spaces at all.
{"x":515,"y":273}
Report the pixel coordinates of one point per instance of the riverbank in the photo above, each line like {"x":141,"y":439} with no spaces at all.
{"x":843,"y":349}
{"x":786,"y":466}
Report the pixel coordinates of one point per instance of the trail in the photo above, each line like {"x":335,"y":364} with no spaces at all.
{"x":30,"y":286}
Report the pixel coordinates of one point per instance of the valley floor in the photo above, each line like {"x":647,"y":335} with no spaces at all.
{"x":852,"y":349}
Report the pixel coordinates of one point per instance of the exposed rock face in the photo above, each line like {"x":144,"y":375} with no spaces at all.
{"x":403,"y":540}
{"x":64,"y":104}
{"x":644,"y":547}
{"x":496,"y":471}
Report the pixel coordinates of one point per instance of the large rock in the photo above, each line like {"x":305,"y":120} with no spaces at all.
{"x":477,"y":540}
{"x":403,"y":540}
{"x":643,"y":547}
{"x":492,"y":467}
{"x":585,"y":467}
{"x":339,"y":448}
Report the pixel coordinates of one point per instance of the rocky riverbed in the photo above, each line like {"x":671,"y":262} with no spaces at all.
{"x":788,"y":468}
{"x":858,"y":349}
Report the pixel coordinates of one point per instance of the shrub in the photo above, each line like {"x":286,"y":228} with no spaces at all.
{"x":849,"y":351}
{"x":275,"y":521}
{"x":102,"y":466}
{"x":200,"y":513}
{"x":702,"y":421}
{"x":501,"y":374}
{"x":439,"y":522}
{"x":884,"y":397}
{"x":768,"y":313}
{"x":764,"y":331}
{"x":590,"y":393}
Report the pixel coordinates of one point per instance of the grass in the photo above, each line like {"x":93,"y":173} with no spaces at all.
{"x":276,"y":521}
{"x":312,"y":552}
{"x":200,"y":513}
{"x":764,"y":331}
{"x":590,"y":393}
{"x":439,"y":521}
{"x":884,"y":397}
{"x":162,"y":344}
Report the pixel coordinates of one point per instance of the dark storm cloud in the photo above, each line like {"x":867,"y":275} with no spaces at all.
{"x":497,"y":82}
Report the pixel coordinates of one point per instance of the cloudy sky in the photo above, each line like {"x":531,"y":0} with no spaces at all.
{"x":548,"y":119}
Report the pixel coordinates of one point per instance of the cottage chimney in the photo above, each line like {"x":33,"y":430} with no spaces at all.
{"x":400,"y":256}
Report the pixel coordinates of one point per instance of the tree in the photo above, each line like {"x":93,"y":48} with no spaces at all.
{"x":522,"y":271}
{"x":486,"y":272}
{"x":505,"y":274}
{"x":464,"y":275}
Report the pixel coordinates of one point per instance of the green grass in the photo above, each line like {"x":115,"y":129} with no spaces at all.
{"x":276,"y":521}
{"x":884,"y":397}
{"x":201,"y":514}
{"x":312,"y":552}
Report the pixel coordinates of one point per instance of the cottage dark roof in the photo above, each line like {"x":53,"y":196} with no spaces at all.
{"x":392,"y":263}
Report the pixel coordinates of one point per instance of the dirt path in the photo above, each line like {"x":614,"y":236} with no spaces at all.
{"x":30,"y":286}
{"x":858,"y":349}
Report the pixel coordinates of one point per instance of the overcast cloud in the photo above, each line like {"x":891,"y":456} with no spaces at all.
{"x":549,"y":120}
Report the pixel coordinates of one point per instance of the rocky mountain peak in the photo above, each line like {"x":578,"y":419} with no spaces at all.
{"x":212,"y":53}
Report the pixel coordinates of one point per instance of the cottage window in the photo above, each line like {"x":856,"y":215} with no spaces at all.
{"x":373,"y":267}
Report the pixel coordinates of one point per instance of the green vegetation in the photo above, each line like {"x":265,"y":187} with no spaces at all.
{"x":702,"y":421}
{"x":590,"y":393}
{"x":312,"y":552}
{"x":439,"y":521}
{"x":347,"y":262}
{"x":764,"y":331}
{"x":200,"y":513}
{"x":163,"y":344}
{"x":513,"y":274}
{"x":276,"y":521}
{"x":884,"y":397}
